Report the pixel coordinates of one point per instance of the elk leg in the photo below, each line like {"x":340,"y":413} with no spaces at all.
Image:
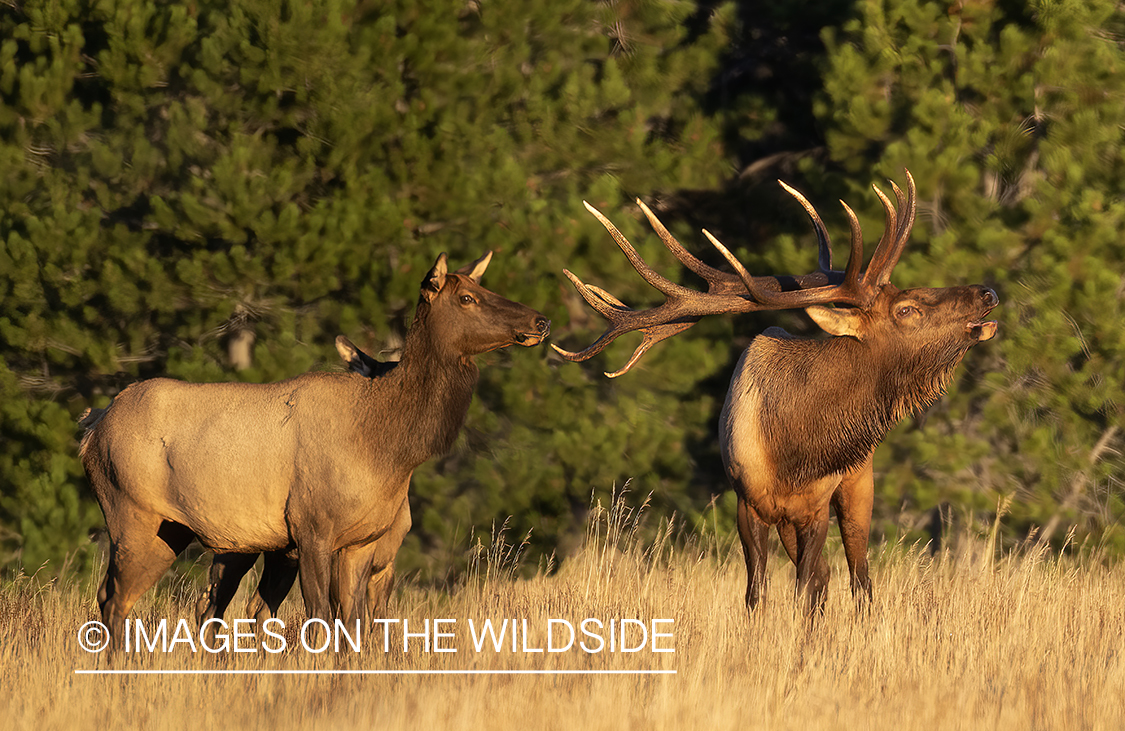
{"x":754,"y":535}
{"x":350,"y":571}
{"x":103,"y":588}
{"x":227,"y":570}
{"x":382,"y":579}
{"x":787,"y":532}
{"x":852,"y":502}
{"x":812,"y":569}
{"x":314,"y":561}
{"x":379,"y":588}
{"x":788,"y":535}
{"x":279,"y":571}
{"x":145,"y":549}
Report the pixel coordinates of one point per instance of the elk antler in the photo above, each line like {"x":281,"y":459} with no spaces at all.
{"x":741,"y":292}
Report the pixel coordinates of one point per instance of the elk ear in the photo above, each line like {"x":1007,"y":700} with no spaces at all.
{"x":355,"y":358}
{"x":435,"y":279}
{"x":837,"y":320}
{"x":476,"y":270}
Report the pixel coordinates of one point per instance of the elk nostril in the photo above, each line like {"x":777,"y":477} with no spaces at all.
{"x":542,"y":324}
{"x":989,"y":297}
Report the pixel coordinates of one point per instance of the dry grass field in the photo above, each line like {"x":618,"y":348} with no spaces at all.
{"x":960,"y":640}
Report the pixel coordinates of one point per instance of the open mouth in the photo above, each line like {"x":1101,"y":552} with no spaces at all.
{"x":529,"y":339}
{"x":984,"y":329}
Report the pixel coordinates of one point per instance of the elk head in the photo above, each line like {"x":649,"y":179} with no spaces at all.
{"x":872,"y":310}
{"x":468,"y":319}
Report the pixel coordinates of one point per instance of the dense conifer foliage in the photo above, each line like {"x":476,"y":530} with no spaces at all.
{"x":215,"y":190}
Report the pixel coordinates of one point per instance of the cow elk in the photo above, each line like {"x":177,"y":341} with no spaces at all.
{"x":803,"y":417}
{"x":315,"y":467}
{"x":279,"y":568}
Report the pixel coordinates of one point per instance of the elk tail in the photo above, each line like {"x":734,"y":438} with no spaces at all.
{"x":89,"y":419}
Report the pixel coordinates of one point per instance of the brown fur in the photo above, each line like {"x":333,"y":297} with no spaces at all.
{"x":803,"y":418}
{"x":798,"y":376}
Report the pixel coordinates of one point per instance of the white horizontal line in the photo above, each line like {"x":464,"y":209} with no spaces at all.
{"x":374,"y":672}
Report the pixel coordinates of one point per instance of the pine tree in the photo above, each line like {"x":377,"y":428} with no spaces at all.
{"x":1010,"y":119}
{"x":213,"y":191}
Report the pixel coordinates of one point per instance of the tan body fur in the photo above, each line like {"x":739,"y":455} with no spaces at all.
{"x":280,"y":567}
{"x":316,"y":467}
{"x":257,"y":437}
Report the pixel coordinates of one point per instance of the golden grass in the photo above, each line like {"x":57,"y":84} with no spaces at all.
{"x":1030,"y":641}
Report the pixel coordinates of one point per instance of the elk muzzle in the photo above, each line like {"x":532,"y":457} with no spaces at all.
{"x":542,"y":329}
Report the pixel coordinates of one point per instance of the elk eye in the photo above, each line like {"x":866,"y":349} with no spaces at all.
{"x":467,"y":299}
{"x":907,"y":310}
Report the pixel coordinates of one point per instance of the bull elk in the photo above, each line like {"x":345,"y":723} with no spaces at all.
{"x":803,"y":417}
{"x":317,"y":466}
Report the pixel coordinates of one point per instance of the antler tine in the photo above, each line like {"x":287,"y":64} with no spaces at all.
{"x":824,"y":244}
{"x":658,"y":282}
{"x":910,"y":205}
{"x":752,"y":285}
{"x":904,"y":222}
{"x":606,"y":304}
{"x":855,"y":260}
{"x":850,"y":290}
{"x":652,"y":336}
{"x":890,"y":226}
{"x":747,"y":280}
{"x":606,"y":296}
{"x":895,"y":235}
{"x":591,"y":350}
{"x":718,"y":281}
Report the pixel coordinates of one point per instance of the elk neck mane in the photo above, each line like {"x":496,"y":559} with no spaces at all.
{"x":432,"y":386}
{"x":826,"y":404}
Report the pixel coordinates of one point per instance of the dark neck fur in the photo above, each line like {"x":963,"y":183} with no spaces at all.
{"x":430,"y":392}
{"x":826,"y":404}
